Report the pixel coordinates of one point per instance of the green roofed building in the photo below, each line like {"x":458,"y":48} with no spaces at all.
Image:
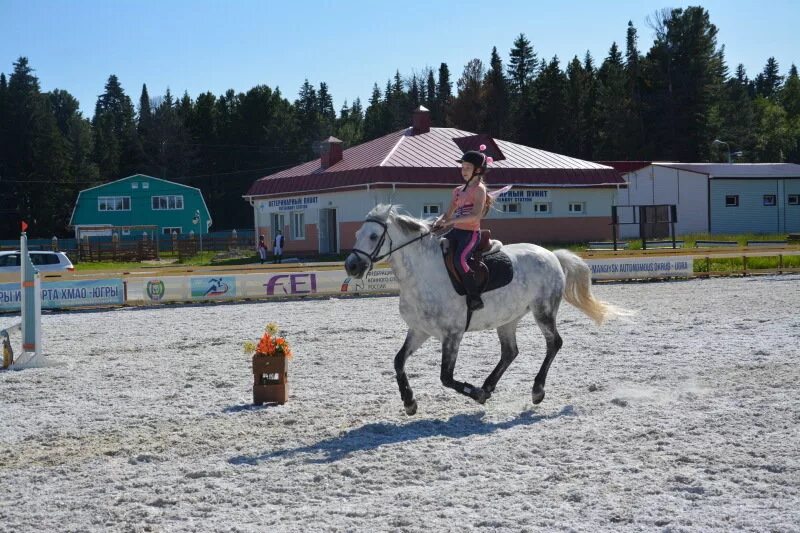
{"x":140,"y":200}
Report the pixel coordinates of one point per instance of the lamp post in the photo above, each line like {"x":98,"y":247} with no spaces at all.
{"x":196,"y":220}
{"x":728,"y":146}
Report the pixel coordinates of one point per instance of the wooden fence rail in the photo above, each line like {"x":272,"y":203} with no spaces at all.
{"x":117,"y":251}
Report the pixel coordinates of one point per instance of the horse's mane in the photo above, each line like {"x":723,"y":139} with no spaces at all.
{"x":405,"y":221}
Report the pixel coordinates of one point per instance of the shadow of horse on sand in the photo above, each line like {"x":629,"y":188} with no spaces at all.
{"x":373,"y":436}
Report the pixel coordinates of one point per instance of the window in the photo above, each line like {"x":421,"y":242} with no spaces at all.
{"x":145,"y":185}
{"x":44,"y":259}
{"x":576,"y":207}
{"x":134,"y":185}
{"x":298,"y":226}
{"x":114,"y":203}
{"x":541,"y":208}
{"x":794,"y":199}
{"x":167,"y":203}
{"x":9,"y":260}
{"x":769,"y":200}
{"x":732,"y":200}
{"x":170,"y":231}
{"x":511,"y":208}
{"x":431,"y":209}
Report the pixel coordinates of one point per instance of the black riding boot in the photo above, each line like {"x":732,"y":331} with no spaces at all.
{"x":474,"y":301}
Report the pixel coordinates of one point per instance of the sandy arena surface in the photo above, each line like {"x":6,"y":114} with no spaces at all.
{"x":683,"y":419}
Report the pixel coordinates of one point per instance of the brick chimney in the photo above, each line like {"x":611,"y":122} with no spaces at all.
{"x":331,"y":152}
{"x":422,"y":120}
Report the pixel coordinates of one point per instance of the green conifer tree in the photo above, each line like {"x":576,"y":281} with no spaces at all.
{"x":467,"y":111}
{"x":768,"y":83}
{"x":444,"y":97}
{"x":496,"y":98}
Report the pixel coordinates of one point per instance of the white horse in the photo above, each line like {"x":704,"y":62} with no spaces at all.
{"x":432,"y":308}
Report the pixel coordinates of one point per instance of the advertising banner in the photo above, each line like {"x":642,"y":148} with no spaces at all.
{"x":277,"y":284}
{"x":378,"y":280}
{"x":158,"y":289}
{"x":64,"y":294}
{"x":212,"y":288}
{"x":641,"y":267}
{"x":262,"y":285}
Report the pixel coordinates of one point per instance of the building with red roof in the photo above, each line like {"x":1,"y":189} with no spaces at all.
{"x":320,"y":204}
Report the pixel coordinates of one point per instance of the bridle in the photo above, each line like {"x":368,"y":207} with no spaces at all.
{"x":374,"y":257}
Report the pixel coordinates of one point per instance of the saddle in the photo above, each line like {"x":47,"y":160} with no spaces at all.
{"x":492,"y":267}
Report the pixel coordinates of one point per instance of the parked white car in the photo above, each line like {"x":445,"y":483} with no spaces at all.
{"x":43,"y":261}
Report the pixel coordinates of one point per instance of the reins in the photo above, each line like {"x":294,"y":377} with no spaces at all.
{"x":374,"y":257}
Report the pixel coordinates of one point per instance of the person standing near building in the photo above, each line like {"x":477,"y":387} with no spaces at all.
{"x":262,"y":249}
{"x":277,"y":247}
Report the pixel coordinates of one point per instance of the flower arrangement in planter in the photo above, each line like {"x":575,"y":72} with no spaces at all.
{"x":270,"y":358}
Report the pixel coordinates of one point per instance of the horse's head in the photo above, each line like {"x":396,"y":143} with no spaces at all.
{"x":373,"y":242}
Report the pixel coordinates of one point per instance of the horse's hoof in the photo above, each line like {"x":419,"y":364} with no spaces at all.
{"x":411,"y":408}
{"x":481,"y":396}
{"x":537,"y":396}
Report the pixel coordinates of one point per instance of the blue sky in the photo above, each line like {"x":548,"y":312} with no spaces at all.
{"x":203,"y":45}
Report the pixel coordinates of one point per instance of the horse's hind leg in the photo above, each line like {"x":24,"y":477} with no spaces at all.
{"x":450,"y":346}
{"x":414,"y":339}
{"x":508,"y":352}
{"x":547,"y":323}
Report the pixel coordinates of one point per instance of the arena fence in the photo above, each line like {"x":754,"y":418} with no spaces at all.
{"x":203,"y":284}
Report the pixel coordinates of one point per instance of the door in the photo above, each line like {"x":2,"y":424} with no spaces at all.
{"x":653,"y":221}
{"x":278,"y":223}
{"x":328,"y":238}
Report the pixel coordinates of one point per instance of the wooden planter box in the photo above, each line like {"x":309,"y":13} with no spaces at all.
{"x":269,"y":379}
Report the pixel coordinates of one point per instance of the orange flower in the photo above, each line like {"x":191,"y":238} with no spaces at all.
{"x":266,"y":346}
{"x":270,"y":344}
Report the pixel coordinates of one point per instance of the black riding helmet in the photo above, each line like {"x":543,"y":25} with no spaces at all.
{"x":476,"y":158}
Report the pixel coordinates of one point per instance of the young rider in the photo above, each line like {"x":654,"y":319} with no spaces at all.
{"x":467,"y":208}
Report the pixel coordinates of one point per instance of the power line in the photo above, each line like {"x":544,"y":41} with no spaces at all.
{"x":218,"y":174}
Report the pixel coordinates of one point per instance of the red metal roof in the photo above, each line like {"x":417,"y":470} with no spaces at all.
{"x":430,"y":158}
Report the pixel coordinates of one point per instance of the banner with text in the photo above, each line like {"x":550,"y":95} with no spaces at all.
{"x":262,"y":285}
{"x":65,"y":294}
{"x":641,"y":267}
{"x":277,"y":284}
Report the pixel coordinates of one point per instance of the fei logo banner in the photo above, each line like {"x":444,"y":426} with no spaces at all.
{"x":288,"y":284}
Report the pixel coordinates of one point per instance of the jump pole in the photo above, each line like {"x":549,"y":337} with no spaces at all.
{"x":31,"y":312}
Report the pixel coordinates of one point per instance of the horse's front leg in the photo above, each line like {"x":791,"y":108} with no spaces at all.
{"x":450,"y":346}
{"x":508,"y":352}
{"x":414,"y":339}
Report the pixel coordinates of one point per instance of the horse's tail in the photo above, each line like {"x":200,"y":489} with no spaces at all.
{"x":578,"y":289}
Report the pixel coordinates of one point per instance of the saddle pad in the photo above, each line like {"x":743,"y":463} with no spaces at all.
{"x":501,"y":272}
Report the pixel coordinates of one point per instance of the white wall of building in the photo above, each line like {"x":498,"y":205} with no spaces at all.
{"x":353,"y":205}
{"x":656,"y":184}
